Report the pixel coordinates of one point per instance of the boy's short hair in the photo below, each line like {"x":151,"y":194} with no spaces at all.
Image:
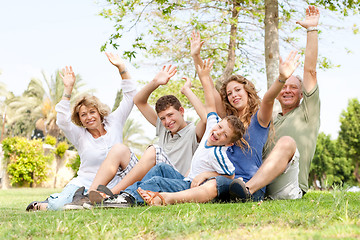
{"x":237,"y":126}
{"x":167,"y":101}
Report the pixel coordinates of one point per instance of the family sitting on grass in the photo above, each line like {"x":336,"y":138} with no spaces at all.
{"x":229,"y":155}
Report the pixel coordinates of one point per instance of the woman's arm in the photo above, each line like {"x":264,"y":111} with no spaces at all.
{"x":68,"y":77}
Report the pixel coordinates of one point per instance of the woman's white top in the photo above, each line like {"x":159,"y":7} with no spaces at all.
{"x":93,"y":151}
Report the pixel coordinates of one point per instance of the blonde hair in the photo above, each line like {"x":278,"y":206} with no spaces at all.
{"x":89,"y":101}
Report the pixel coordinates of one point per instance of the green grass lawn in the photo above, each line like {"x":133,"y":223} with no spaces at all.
{"x":319,"y":215}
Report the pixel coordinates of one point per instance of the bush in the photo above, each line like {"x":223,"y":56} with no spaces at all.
{"x":25,"y":160}
{"x":74,"y":164}
{"x":61,"y":149}
{"x":50,"y":140}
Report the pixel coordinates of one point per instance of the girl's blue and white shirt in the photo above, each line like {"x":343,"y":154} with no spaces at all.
{"x":210,"y":158}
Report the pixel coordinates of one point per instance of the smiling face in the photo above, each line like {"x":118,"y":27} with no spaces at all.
{"x":221,"y":134}
{"x":90,"y":117}
{"x":290,"y":95}
{"x":172,"y":119}
{"x":237,"y":95}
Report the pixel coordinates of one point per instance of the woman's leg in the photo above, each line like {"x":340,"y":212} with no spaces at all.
{"x":58,"y":200}
{"x":118,"y":156}
{"x":137,"y":173}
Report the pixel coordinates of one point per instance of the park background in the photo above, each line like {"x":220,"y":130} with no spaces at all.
{"x":43,"y":36}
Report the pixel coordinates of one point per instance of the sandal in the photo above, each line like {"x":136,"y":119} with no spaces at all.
{"x":99,"y":195}
{"x":35,"y":205}
{"x":152,"y":195}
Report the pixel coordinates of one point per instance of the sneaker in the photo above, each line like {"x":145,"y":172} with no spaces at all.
{"x":122,"y":200}
{"x":239,"y":191}
{"x":78,"y":200}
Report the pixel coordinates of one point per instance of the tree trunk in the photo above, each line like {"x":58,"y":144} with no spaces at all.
{"x":271,"y":40}
{"x":229,"y":68}
{"x":356,"y":172}
{"x":315,"y":183}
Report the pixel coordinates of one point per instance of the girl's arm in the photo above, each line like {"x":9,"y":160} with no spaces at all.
{"x":286,"y":69}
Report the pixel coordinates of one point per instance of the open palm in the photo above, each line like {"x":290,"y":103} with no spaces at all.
{"x":311,"y":19}
{"x":287,"y":68}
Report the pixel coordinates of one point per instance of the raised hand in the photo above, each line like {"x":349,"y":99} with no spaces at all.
{"x":116,"y":60}
{"x":204,"y":70}
{"x":195,"y":43}
{"x":311,"y":19}
{"x":187,"y":85}
{"x":165,"y":74}
{"x":68,"y":77}
{"x":287,"y":68}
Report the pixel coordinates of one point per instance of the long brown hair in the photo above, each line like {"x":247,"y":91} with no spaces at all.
{"x":254,"y":100}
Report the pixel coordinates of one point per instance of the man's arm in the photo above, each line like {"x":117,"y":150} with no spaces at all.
{"x":141,"y":98}
{"x":198,"y":106}
{"x":311,"y":52}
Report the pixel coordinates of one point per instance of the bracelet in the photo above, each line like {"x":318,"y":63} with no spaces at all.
{"x":310,"y":29}
{"x":67,"y":95}
{"x":281,"y":81}
{"x":122,"y":72}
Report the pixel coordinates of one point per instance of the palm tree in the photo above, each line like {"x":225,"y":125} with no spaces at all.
{"x":133,"y":136}
{"x":36,"y":106}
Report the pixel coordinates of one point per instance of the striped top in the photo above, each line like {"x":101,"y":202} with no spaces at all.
{"x":210,"y":158}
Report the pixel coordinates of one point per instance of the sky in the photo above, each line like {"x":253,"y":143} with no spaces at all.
{"x":45,"y":35}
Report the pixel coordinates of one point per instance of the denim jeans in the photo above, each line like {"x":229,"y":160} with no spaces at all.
{"x":58,"y":200}
{"x":223,"y":184}
{"x":161,"y":178}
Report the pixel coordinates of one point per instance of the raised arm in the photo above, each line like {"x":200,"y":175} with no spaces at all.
{"x":120,"y":64}
{"x":311,"y":52}
{"x":68,"y":77}
{"x":198,"y":106}
{"x":141,"y":98}
{"x":195,"y":48}
{"x":204,"y":75}
{"x":286,"y":69}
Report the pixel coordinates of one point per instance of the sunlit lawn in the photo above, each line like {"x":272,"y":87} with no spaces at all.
{"x":319,"y":215}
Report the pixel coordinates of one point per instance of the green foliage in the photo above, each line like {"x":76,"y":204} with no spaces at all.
{"x":25,"y":159}
{"x":175,"y":86}
{"x":118,"y":98}
{"x":330,"y":166}
{"x":74,"y":164}
{"x":349,"y":135}
{"x":169,"y":24}
{"x":61,"y":149}
{"x":343,"y":6}
{"x":50,"y":140}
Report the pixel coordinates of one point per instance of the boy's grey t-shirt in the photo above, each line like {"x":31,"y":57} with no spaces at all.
{"x":179,"y":148}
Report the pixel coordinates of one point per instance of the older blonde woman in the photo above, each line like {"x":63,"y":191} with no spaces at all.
{"x":93,"y":130}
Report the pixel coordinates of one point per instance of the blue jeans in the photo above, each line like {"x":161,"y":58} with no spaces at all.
{"x":161,"y":178}
{"x":223,"y":184}
{"x":58,"y":200}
